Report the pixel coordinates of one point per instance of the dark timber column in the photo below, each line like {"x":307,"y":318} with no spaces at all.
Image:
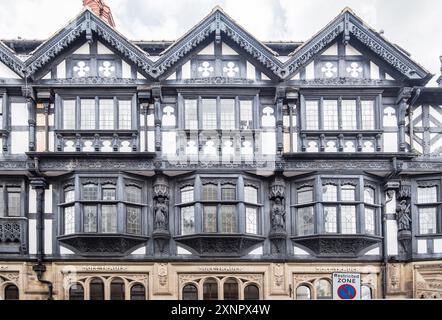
{"x":402,"y":99}
{"x":156,"y":94}
{"x":30,"y":101}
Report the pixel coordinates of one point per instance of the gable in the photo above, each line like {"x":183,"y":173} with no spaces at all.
{"x":345,"y":61}
{"x":10,"y":66}
{"x":348,"y":28}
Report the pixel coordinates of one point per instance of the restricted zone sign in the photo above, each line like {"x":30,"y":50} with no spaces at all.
{"x":346,"y":286}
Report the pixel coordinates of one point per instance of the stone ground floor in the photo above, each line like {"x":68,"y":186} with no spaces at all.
{"x":191,"y":280}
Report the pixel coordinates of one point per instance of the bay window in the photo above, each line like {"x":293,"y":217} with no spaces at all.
{"x":99,"y":203}
{"x":344,"y":206}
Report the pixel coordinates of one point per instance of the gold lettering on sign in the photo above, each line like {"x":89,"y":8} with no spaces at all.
{"x":103,"y":268}
{"x":221,"y":269}
{"x":337,"y":269}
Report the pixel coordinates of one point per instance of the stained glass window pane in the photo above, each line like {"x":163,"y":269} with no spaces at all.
{"x":348,"y":108}
{"x":228,"y":219}
{"x":69,"y":220}
{"x":330,"y":219}
{"x":209,"y":219}
{"x":228,"y":192}
{"x":69,"y":114}
{"x":14,"y":202}
{"x":106,"y":114}
{"x":209,"y":114}
{"x":109,"y":193}
{"x":87,"y":114}
{"x":323,"y":290}
{"x":330,"y":114}
{"x":125,"y":114}
{"x":187,"y":220}
{"x":329,"y":192}
{"x":187,"y":194}
{"x":190,"y":115}
{"x":348,"y":192}
{"x":369,"y":195}
{"x":251,"y":194}
{"x":109,"y":219}
{"x":348,"y":219}
{"x":305,"y":195}
{"x":251,"y":220}
{"x":133,"y":220}
{"x":133,"y":194}
{"x":305,"y":221}
{"x":427,"y":220}
{"x":69,"y":196}
{"x":210,"y":192}
{"x":427,"y":195}
{"x":228,"y":114}
{"x":370,"y":221}
{"x":90,"y":192}
{"x":303,"y":293}
{"x":90,"y":218}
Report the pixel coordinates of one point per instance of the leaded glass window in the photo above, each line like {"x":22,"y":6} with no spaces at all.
{"x":106,"y":114}
{"x":330,"y":219}
{"x":370,"y":227}
{"x":109,"y":219}
{"x":228,"y":192}
{"x":190,"y":115}
{"x":369,"y":195}
{"x":125,"y":114}
{"x":69,"y":220}
{"x":329,"y":193}
{"x":190,"y":292}
{"x":228,"y":121}
{"x":231,"y":290}
{"x":14,"y":202}
{"x":368,"y":115}
{"x":210,"y":224}
{"x":305,"y":221}
{"x":133,"y":194}
{"x":133,"y":220}
{"x":349,"y":115}
{"x":69,"y":118}
{"x":427,"y":221}
{"x":187,"y":194}
{"x":312,"y":115}
{"x":109,"y":192}
{"x":251,"y":220}
{"x":427,"y":201}
{"x":246,"y":114}
{"x":138,"y":292}
{"x":348,"y":219}
{"x":348,"y":192}
{"x":90,"y":192}
{"x":427,"y":194}
{"x":330,"y":111}
{"x":251,"y":194}
{"x":210,"y":289}
{"x":251,"y":292}
{"x":303,"y":293}
{"x":90,"y":218}
{"x":228,"y":219}
{"x":210,"y":192}
{"x":323,"y":290}
{"x":305,"y":195}
{"x":87,"y":114}
{"x":69,"y":196}
{"x":209,"y":114}
{"x":187,"y":220}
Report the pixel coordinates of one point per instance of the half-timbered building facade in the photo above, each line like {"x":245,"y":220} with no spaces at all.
{"x":217,"y":166}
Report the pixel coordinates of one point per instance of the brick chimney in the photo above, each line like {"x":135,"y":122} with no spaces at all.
{"x":100,"y":9}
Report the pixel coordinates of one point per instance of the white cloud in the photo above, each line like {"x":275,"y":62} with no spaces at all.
{"x":411,"y":24}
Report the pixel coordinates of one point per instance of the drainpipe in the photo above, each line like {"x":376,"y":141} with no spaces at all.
{"x":39,"y":185}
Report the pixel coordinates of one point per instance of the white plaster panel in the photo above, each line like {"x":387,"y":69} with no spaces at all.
{"x":392,"y":245}
{"x":84,"y":49}
{"x":226,"y":50}
{"x":48,"y":199}
{"x":209,"y":50}
{"x":65,"y":251}
{"x":251,"y":71}
{"x":32,"y":201}
{"x":172,"y":76}
{"x":373,"y":252}
{"x":351,"y":51}
{"x":102,"y":49}
{"x":19,"y":114}
{"x":142,"y":140}
{"x":258,"y":251}
{"x":264,"y":77}
{"x":48,"y":236}
{"x":51,"y":141}
{"x":374,"y":71}
{"x":126,"y":70}
{"x":299,"y":252}
{"x":47,"y":76}
{"x":331,"y":51}
{"x":61,"y":70}
{"x":6,"y":72}
{"x":296,"y":76}
{"x":182,"y":251}
{"x":390,"y":206}
{"x":388,"y":77}
{"x":390,"y":142}
{"x":185,"y":71}
{"x":140,"y":76}
{"x":139,"y":251}
{"x":19,"y":142}
{"x":310,"y":71}
{"x":32,"y":236}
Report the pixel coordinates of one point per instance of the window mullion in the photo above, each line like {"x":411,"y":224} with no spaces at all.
{"x":321,"y":113}
{"x":78,"y":113}
{"x":116,"y":115}
{"x":340,"y":125}
{"x":359,"y":114}
{"x":97,"y":113}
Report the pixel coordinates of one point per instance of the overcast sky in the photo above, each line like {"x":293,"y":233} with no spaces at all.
{"x":414,"y":25}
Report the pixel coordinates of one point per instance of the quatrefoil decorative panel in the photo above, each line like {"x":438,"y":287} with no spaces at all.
{"x":81,"y":69}
{"x":106,"y":69}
